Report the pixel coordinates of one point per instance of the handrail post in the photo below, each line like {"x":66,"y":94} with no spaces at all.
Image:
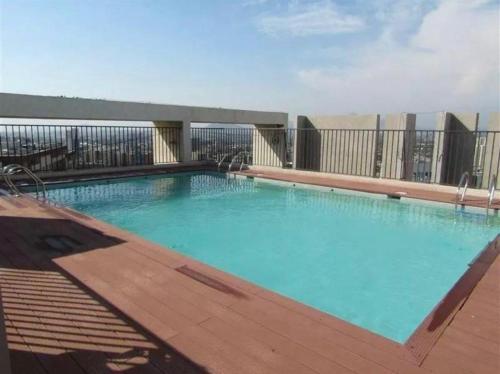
{"x":491,"y":193}
{"x":463,"y":179}
{"x":12,"y":169}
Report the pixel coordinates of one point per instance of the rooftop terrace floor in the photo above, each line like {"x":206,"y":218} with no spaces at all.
{"x":116,"y":302}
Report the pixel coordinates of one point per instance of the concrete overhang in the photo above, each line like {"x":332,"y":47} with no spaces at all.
{"x":51,"y":107}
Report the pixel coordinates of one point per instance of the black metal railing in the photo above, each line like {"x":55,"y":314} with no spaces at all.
{"x":267,"y":146}
{"x":427,"y":156}
{"x":60,"y":147}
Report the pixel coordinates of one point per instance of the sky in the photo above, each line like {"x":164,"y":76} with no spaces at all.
{"x":297,"y":56}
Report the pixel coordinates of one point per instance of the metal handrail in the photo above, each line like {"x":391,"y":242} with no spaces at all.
{"x":222,"y":160}
{"x":464,"y":180}
{"x":242,"y":163}
{"x":244,"y":153}
{"x":491,"y":193}
{"x":13,"y":169}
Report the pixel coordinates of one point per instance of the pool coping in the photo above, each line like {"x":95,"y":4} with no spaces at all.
{"x":420,"y":342}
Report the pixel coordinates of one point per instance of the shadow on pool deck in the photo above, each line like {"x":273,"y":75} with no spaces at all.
{"x":54,"y":323}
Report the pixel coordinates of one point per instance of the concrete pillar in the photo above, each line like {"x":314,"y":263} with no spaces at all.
{"x":398,"y":144}
{"x":186,"y":146}
{"x":269,"y":145}
{"x":454,"y":147}
{"x":490,"y":152}
{"x":307,"y":145}
{"x":167,"y":143}
{"x":439,"y":151}
{"x":172,"y":141}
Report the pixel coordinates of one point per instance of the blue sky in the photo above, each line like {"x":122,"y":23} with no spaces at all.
{"x":295,"y":56}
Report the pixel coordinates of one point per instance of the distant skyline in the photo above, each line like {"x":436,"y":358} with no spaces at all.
{"x":301,"y":57}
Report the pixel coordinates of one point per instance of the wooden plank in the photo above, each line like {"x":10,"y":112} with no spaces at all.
{"x":446,"y":360}
{"x":256,"y":349}
{"x":318,"y":337}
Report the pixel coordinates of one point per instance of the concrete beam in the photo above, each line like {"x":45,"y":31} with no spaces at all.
{"x":49,"y":107}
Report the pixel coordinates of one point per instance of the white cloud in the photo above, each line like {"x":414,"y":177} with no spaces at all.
{"x":316,"y":18}
{"x":451,"y":62}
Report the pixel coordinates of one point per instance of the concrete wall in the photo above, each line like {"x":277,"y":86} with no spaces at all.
{"x":398,"y":145}
{"x":269,"y":145}
{"x":454,"y":147}
{"x":330,"y":144}
{"x":492,"y":152}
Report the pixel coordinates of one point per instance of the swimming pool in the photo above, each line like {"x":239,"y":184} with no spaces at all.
{"x":379,"y":263}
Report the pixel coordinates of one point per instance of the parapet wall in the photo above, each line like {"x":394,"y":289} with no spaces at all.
{"x":356,"y":145}
{"x":492,"y":152}
{"x":355,"y":151}
{"x":454,"y":146}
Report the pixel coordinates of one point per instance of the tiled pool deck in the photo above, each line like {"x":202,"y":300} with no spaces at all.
{"x":119,"y":303}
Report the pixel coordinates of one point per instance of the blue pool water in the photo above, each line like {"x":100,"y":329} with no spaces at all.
{"x":381,"y":264}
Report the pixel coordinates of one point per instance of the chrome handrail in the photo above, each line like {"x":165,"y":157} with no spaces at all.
{"x":13,"y":169}
{"x":491,"y":193}
{"x":244,"y":153}
{"x":463,"y":179}
{"x":242,"y":163}
{"x":222,"y":160}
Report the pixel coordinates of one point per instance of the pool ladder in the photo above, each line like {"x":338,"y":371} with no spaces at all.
{"x":464,"y":184}
{"x":462,"y":188}
{"x":13,"y":169}
{"x":245,"y":156}
{"x":219,"y":164}
{"x":491,"y":193}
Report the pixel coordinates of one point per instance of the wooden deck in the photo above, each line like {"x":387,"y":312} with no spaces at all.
{"x":81,"y":296}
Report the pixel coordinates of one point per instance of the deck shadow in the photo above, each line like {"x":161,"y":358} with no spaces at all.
{"x":56,"y":324}
{"x":53,"y":237}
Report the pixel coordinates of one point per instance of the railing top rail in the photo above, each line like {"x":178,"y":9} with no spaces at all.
{"x":402,"y":130}
{"x":139,"y":127}
{"x":86,"y":126}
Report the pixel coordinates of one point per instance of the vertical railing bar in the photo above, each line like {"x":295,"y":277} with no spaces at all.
{"x":343,"y":150}
{"x":401,"y":137}
{"x":393,"y":153}
{"x":366,"y":138}
{"x":330,"y":150}
{"x":491,"y":159}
